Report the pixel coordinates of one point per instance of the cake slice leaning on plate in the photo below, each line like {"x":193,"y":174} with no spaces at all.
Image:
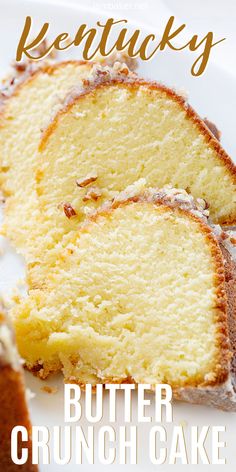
{"x":28,"y":103}
{"x":13,"y":405}
{"x":116,"y":129}
{"x":144,"y":292}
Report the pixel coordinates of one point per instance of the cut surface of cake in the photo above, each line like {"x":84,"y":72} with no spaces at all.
{"x":116,"y":130}
{"x":33,"y":98}
{"x":13,"y":405}
{"x":139,"y":294}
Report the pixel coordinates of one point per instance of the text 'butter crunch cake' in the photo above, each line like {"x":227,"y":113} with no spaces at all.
{"x":112,"y":311}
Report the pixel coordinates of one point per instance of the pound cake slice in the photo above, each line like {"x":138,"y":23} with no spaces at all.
{"x":144,"y":292}
{"x":116,"y":129}
{"x":27,"y":106}
{"x":13,"y":405}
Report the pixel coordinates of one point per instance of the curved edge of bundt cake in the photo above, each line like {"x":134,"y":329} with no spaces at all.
{"x":223,"y":318}
{"x":13,"y":404}
{"x":219,"y":388}
{"x":221,"y":395}
{"x":105,"y":77}
{"x":13,"y":87}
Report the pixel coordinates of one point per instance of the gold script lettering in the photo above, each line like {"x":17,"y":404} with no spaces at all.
{"x":22,"y":48}
{"x":121,"y":43}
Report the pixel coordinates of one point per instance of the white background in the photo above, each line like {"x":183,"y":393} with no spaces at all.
{"x":200,"y":15}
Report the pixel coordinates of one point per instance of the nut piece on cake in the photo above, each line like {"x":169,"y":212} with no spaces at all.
{"x":145,"y":276}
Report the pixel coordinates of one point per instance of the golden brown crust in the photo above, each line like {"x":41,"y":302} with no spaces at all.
{"x":230,"y":280}
{"x":135,"y":83}
{"x":221,"y":396}
{"x":13,"y":411}
{"x":222,"y":364}
{"x":28,"y":76}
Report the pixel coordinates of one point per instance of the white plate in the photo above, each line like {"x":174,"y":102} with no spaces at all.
{"x":214,"y":96}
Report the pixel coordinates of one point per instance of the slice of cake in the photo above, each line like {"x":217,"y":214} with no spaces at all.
{"x":28,"y":103}
{"x":144,"y":292}
{"x":117,"y":129}
{"x":13,"y":406}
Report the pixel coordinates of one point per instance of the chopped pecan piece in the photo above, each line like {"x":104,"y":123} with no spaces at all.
{"x":102,"y":72}
{"x":49,"y":389}
{"x":123,"y":57}
{"x":85,"y":82}
{"x":224,"y":235}
{"x":69,"y":210}
{"x":93,"y":193}
{"x":213,"y":128}
{"x":89,"y":179}
{"x":20,"y":66}
{"x":121,"y":68}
